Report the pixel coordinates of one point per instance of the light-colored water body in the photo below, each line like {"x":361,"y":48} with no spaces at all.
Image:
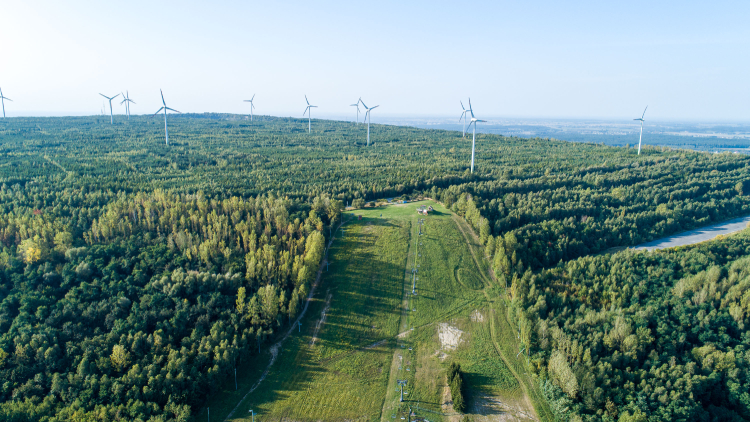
{"x":698,"y":235}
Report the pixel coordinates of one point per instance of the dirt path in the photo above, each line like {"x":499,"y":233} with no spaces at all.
{"x":526,"y":397}
{"x":404,"y":312}
{"x":322,"y":320}
{"x":277,"y":346}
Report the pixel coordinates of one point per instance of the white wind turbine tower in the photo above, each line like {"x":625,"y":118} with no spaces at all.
{"x":463,"y":116}
{"x":641,"y":136}
{"x":165,"y":108}
{"x":127,"y":101}
{"x":367,"y":117}
{"x":356,"y":105}
{"x":309,"y":114}
{"x":110,"y":105}
{"x":252,"y":106}
{"x":474,"y":120}
{"x":2,"y":99}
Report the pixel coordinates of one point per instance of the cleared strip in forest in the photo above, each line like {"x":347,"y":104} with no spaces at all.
{"x":56,"y":164}
{"x":543,"y":409}
{"x":276,"y":347}
{"x":404,"y":323}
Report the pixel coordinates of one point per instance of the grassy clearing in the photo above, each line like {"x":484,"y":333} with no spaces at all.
{"x":450,"y":293}
{"x":343,"y":375}
{"x":502,"y":334}
{"x":352,"y":369}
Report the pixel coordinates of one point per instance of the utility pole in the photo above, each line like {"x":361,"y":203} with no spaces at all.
{"x":252,"y":413}
{"x":402,"y":384}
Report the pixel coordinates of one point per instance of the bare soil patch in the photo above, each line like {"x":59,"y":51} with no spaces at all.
{"x":450,"y":336}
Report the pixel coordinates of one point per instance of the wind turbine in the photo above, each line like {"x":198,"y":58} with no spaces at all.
{"x":641,"y":136}
{"x":165,"y":108}
{"x":309,"y":114}
{"x":463,"y":116}
{"x":367,"y":116}
{"x":252,"y":106}
{"x":474,"y":120}
{"x":127,"y":102}
{"x":110,"y":105}
{"x":2,"y":99}
{"x":356,"y":105}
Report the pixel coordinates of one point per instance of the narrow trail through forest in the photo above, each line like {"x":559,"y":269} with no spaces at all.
{"x":277,"y":346}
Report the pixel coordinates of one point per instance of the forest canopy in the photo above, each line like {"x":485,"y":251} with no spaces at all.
{"x":134,"y":275}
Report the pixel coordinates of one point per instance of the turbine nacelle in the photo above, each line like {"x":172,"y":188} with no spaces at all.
{"x":252,"y":106}
{"x":367,"y":117}
{"x":308,"y":106}
{"x":3,"y":96}
{"x":2,"y":99}
{"x":640,"y":137}
{"x":110,"y":106}
{"x":165,"y":108}
{"x":126,"y":100}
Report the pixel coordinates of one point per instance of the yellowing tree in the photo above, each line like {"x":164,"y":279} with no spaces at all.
{"x":30,"y":250}
{"x":120,"y":357}
{"x":241,"y":301}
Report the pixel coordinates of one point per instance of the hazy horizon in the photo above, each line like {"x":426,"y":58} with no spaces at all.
{"x":586,"y":60}
{"x":382,"y":118}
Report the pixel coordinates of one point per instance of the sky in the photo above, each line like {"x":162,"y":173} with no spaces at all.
{"x":686,"y":60}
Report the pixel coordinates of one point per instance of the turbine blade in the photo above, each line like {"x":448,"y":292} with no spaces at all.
{"x":172,"y":110}
{"x":363,"y":103}
{"x":158,"y":111}
{"x":471,"y":110}
{"x":462,"y":105}
{"x":372,"y":108}
{"x":644,"y":112}
{"x":7,"y":98}
{"x":308,"y":102}
{"x":103,"y":95}
{"x":162,"y":97}
{"x":251,"y":100}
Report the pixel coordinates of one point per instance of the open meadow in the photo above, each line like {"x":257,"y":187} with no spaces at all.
{"x":365,"y":330}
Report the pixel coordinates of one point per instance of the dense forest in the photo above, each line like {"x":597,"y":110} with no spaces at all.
{"x":134,"y":276}
{"x":638,"y":336}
